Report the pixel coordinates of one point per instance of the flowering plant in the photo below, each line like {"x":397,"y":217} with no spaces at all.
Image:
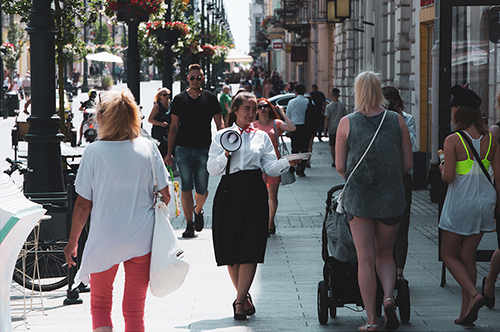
{"x":152,"y":26}
{"x":9,"y":55}
{"x":207,"y":50}
{"x":133,"y":8}
{"x":220,"y":53}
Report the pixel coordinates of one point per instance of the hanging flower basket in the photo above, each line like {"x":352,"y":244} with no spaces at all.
{"x":132,"y":10}
{"x":167,"y":32}
{"x":207,"y":50}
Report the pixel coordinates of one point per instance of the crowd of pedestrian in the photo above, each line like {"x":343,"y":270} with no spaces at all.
{"x":371,"y":148}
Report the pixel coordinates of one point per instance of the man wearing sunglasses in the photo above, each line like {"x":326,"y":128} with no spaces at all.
{"x":189,"y":137}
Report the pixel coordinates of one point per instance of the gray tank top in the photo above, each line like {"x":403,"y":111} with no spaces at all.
{"x":375,"y":189}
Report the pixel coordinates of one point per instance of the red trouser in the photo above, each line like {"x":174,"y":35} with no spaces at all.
{"x":134,"y":296}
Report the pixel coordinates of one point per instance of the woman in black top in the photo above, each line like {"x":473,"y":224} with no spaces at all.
{"x":160,"y":119}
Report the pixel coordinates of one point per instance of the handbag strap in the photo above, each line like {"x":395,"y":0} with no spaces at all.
{"x":366,"y":151}
{"x":278,"y":137}
{"x":153,"y":168}
{"x":476,"y":155}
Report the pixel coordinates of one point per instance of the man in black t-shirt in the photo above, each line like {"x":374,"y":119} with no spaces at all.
{"x":190,"y":135}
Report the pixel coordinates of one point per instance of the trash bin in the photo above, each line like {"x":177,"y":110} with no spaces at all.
{"x":12,"y":102}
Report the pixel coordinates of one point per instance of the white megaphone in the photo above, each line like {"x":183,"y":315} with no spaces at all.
{"x":230,"y":140}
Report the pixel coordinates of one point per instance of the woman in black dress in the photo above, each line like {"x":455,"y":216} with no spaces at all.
{"x":241,"y":210}
{"x":160,"y":119}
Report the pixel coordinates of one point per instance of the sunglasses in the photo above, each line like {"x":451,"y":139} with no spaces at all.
{"x":199,"y":78}
{"x":165,"y":94}
{"x":263,"y":106}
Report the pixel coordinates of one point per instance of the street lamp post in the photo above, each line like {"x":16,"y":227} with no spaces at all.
{"x":43,"y":137}
{"x":3,"y":111}
{"x":167,"y":79}
{"x":85,"y":84}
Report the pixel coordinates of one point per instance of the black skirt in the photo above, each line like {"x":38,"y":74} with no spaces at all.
{"x":240,"y":218}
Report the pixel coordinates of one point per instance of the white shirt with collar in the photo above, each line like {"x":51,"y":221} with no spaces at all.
{"x":296,"y":109}
{"x":256,"y":152}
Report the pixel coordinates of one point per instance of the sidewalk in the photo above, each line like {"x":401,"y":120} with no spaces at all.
{"x":285,"y":287}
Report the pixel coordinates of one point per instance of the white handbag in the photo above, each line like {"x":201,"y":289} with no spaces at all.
{"x":168,"y":268}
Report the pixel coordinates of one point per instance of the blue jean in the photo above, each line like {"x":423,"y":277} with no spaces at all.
{"x":192,"y":164}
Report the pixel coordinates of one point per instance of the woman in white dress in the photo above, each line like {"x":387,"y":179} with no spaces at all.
{"x":469,"y":207}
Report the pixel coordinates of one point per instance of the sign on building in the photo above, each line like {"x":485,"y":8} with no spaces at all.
{"x":299,"y":53}
{"x":278,"y":45}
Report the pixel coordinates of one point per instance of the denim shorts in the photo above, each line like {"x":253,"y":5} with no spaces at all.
{"x":192,"y":164}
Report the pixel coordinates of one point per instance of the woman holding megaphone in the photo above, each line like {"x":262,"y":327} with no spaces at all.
{"x":241,"y":210}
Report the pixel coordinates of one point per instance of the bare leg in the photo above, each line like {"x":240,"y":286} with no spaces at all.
{"x":104,"y":329}
{"x":458,"y":253}
{"x":187,"y":204}
{"x":385,"y":237}
{"x":363,"y":233}
{"x":200,"y":201}
{"x":332,"y":152}
{"x":273,"y":203}
{"x":489,"y":287}
{"x":242,"y":276}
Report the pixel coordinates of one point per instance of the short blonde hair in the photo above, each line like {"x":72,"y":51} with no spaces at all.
{"x":120,"y":118}
{"x":160,"y":91}
{"x":368,"y":92}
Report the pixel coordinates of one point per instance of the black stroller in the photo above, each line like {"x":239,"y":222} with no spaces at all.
{"x":340,"y":273}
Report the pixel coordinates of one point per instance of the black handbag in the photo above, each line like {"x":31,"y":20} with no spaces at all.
{"x":476,"y":155}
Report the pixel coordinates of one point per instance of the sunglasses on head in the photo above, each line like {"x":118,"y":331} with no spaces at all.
{"x":199,"y":78}
{"x":262,"y":106}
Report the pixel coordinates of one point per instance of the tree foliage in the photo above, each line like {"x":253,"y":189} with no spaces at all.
{"x":69,"y":17}
{"x":12,"y":51}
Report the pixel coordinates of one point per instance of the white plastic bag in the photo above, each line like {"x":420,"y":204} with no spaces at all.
{"x":168,"y":267}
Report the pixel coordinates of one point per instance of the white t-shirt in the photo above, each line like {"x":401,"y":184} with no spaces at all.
{"x":117,"y":177}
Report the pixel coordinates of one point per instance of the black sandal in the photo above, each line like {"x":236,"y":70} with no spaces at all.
{"x":238,"y":316}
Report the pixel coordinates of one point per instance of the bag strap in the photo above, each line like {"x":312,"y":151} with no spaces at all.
{"x":476,"y":155}
{"x":366,"y":151}
{"x":153,"y":168}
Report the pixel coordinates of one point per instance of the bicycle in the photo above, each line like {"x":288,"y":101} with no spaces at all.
{"x":53,"y":270}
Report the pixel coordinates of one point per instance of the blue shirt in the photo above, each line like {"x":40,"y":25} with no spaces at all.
{"x":296,"y":109}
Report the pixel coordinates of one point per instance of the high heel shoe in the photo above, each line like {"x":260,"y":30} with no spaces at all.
{"x":238,"y":316}
{"x":489,"y":301}
{"x":251,"y":311}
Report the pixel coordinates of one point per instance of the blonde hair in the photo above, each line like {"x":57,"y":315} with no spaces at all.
{"x":160,"y":91}
{"x":120,"y":118}
{"x":368,"y":92}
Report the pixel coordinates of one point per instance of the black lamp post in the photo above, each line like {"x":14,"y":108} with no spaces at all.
{"x":85,"y":83}
{"x":4,"y":112}
{"x":168,"y":40}
{"x":43,"y":137}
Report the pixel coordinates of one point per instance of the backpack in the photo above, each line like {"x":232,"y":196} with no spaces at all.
{"x":313,"y":117}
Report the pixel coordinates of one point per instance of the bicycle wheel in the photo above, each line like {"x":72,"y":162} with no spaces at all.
{"x":51,"y":263}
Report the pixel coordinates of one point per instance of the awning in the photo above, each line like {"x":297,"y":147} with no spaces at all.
{"x":104,"y":57}
{"x":237,"y":56}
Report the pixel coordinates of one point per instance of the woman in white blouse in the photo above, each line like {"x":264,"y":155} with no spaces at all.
{"x":241,"y":210}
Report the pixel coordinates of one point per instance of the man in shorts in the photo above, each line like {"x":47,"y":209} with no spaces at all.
{"x":190,"y":135}
{"x":334,"y":112}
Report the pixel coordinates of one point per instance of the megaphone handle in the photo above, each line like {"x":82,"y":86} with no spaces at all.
{"x":228,"y":163}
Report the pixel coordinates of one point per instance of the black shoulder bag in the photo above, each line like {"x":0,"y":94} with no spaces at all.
{"x":476,"y":156}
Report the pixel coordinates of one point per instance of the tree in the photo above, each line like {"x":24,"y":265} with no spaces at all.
{"x":69,"y":16}
{"x":13,"y":50}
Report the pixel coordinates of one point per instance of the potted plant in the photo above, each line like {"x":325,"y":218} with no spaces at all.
{"x":132,"y":10}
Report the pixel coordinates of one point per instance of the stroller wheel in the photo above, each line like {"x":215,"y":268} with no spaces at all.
{"x":323,"y":302}
{"x":333,"y":311}
{"x":403,"y":300}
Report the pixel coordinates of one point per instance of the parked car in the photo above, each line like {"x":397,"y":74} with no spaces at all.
{"x":284,"y":99}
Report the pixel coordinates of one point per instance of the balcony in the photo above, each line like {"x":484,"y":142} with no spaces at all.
{"x":294,"y":16}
